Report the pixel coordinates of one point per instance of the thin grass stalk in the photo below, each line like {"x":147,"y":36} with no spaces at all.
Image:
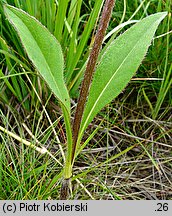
{"x":60,"y":19}
{"x":73,"y":33}
{"x":72,"y":63}
{"x":167,"y":81}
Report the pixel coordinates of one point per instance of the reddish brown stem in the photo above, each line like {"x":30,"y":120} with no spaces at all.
{"x":64,"y":193}
{"x":104,"y":21}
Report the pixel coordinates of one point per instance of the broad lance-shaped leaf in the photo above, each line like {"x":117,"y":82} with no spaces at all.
{"x":43,"y":50}
{"x":118,"y":65}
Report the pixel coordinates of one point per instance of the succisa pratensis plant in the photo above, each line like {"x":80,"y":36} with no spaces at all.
{"x":103,"y":80}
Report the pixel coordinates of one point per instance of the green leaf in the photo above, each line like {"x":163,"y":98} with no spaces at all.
{"x":118,"y":65}
{"x":43,"y":50}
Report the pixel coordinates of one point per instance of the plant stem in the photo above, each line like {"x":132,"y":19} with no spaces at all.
{"x":104,"y":21}
{"x":72,"y":141}
{"x":64,"y":192}
{"x":65,"y":188}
